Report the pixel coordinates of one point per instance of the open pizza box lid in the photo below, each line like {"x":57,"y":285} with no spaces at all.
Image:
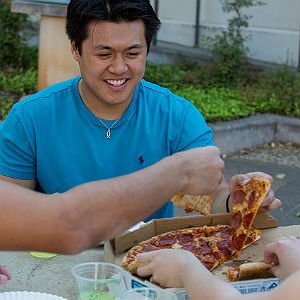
{"x":116,"y":249}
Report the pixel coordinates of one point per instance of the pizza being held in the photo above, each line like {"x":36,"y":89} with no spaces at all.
{"x":245,"y":204}
{"x":200,"y":203}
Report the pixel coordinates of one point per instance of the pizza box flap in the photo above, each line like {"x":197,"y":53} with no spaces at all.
{"x":128,"y":239}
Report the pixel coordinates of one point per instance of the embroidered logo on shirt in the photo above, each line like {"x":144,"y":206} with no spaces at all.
{"x":141,"y":160}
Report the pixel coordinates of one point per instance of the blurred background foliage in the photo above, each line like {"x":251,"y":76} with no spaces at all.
{"x":226,"y":88}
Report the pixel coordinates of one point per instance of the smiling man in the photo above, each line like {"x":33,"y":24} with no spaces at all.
{"x":107,"y":122}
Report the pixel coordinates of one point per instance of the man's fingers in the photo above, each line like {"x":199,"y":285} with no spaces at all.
{"x":276,"y":203}
{"x":260,"y":174}
{"x":239,"y":180}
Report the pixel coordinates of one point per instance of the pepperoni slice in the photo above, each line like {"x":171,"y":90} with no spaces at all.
{"x":247,"y":219}
{"x":216,"y":255}
{"x":225,"y":247}
{"x":203,"y":250}
{"x":185,"y":237}
{"x":168,"y":240}
{"x":238,"y":196}
{"x":251,"y":200}
{"x":237,"y":241}
{"x":226,"y":233}
{"x":236,"y":219}
{"x":189,"y":247}
{"x":202,"y":244}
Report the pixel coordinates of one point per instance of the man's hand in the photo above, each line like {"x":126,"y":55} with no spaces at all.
{"x":285,"y":255}
{"x":269,"y":202}
{"x":202,"y":169}
{"x":4,"y":275}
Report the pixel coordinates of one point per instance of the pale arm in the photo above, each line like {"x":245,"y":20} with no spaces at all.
{"x":214,"y":289}
{"x":180,"y":268}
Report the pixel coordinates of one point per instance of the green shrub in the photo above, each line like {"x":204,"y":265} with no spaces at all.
{"x":217,"y":104}
{"x":228,"y":48}
{"x":19,"y":83}
{"x":14,"y":85}
{"x":14,"y":51}
{"x":6,"y":103}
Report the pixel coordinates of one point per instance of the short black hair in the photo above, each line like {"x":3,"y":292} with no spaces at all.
{"x":81,"y":12}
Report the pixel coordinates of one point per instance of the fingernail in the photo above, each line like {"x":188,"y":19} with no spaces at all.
{"x":3,"y":278}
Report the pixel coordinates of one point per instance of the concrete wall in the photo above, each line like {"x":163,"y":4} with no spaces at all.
{"x":274,"y":28}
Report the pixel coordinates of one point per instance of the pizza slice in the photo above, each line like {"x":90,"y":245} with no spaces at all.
{"x":199,"y":203}
{"x":212,"y":245}
{"x":168,"y":240}
{"x":245,"y":204}
{"x":251,"y":270}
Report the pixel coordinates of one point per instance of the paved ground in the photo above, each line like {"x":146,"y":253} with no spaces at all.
{"x":286,"y":181}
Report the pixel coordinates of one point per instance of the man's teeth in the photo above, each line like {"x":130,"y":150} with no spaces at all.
{"x":116,"y":82}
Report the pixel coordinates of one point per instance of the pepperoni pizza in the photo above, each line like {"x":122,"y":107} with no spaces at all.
{"x":245,"y":204}
{"x":212,"y":245}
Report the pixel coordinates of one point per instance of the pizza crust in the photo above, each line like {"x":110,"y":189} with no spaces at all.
{"x":251,"y":270}
{"x":198,"y":203}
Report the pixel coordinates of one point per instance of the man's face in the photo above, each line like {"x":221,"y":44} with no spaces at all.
{"x":112,"y":62}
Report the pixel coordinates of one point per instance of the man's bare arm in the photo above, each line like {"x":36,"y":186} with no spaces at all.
{"x":85,"y":215}
{"x":30,"y":184}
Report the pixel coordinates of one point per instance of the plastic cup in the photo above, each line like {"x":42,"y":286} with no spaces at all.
{"x":147,"y":294}
{"x":98,"y":281}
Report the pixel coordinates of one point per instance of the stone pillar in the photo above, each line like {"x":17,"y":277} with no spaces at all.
{"x":55,"y":59}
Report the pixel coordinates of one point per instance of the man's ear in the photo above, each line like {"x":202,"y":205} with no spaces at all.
{"x":75,"y":51}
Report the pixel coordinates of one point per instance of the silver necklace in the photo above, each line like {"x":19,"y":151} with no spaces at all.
{"x":108,"y":131}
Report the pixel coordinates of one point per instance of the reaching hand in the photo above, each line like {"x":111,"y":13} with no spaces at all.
{"x":168,"y":267}
{"x":285,"y":255}
{"x":4,"y":275}
{"x":269,"y":202}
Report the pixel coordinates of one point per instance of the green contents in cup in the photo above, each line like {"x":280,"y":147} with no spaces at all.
{"x":97,"y":295}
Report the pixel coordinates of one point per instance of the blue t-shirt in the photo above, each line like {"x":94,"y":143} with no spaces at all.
{"x":54,"y":138}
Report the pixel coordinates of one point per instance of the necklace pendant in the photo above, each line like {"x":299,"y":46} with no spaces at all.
{"x":108,"y":133}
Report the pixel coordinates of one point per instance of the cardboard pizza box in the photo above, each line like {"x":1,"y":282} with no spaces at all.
{"x":116,"y":249}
